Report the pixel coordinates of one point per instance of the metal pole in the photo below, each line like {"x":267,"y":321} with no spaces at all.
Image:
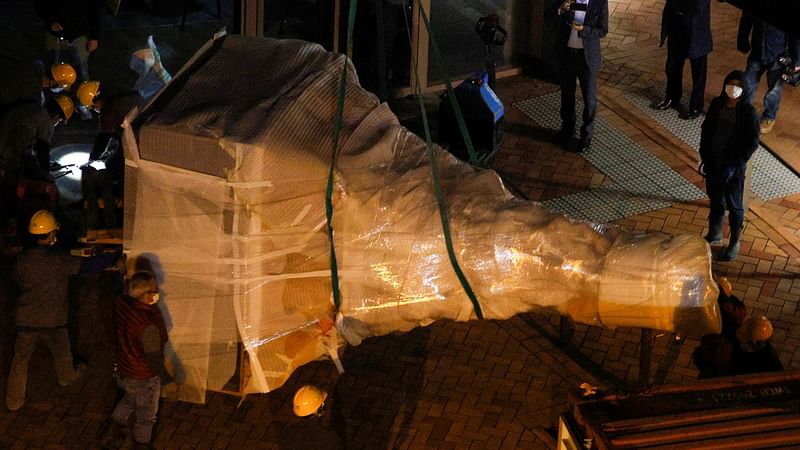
{"x":645,"y":348}
{"x":564,"y":330}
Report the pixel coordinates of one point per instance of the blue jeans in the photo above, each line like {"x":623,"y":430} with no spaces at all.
{"x":726,"y":191}
{"x":141,"y":397}
{"x":772,"y":98}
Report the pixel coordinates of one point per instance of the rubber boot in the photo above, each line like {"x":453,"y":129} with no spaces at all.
{"x":714,"y":235}
{"x":114,"y":436}
{"x":733,"y":246}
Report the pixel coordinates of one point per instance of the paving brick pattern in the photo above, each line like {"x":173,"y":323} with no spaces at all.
{"x":489,"y":384}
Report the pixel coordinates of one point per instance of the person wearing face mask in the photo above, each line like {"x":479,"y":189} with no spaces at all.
{"x":42,"y":309}
{"x":141,"y":336}
{"x":728,"y":138}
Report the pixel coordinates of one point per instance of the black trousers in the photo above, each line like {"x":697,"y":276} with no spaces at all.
{"x":674,"y":69}
{"x":573,"y":67}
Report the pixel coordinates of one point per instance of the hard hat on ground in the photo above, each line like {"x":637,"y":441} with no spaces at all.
{"x":755,"y":329}
{"x":725,"y":285}
{"x":66,"y":105}
{"x":87,"y":92}
{"x":63,"y":74}
{"x":308,"y":400}
{"x":42,"y":222}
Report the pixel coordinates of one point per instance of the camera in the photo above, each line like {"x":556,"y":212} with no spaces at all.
{"x":490,"y":31}
{"x":789,"y":75}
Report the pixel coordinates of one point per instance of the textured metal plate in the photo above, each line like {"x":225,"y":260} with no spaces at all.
{"x":641,"y":182}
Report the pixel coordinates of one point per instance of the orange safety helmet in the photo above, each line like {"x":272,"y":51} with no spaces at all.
{"x":63,"y":74}
{"x":308,"y":400}
{"x":87,"y":92}
{"x":42,"y":222}
{"x":755,"y":329}
{"x":66,"y":105}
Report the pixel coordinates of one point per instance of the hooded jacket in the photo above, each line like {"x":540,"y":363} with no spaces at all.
{"x":744,"y":139}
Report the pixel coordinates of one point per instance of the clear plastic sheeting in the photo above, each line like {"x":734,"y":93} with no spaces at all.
{"x":225,"y":189}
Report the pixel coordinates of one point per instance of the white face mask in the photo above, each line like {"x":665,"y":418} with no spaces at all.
{"x":732,"y":91}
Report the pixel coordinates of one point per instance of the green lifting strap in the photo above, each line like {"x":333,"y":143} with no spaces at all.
{"x":462,"y":126}
{"x":337,"y":295}
{"x":437,"y":186}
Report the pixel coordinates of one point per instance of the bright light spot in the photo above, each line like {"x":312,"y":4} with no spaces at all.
{"x":77,"y":159}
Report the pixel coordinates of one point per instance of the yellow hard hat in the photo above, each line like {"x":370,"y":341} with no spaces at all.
{"x":66,"y":105}
{"x":87,"y":91}
{"x":755,"y":329}
{"x":63,"y":74}
{"x":42,"y":222}
{"x":308,"y":400}
{"x":725,"y":285}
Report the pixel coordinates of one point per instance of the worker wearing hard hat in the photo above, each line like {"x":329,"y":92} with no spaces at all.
{"x":41,"y":311}
{"x":754,"y":352}
{"x":310,"y":432}
{"x":104,"y":171}
{"x":26,"y":128}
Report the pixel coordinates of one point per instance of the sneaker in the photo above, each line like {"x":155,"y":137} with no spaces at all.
{"x":766,"y":125}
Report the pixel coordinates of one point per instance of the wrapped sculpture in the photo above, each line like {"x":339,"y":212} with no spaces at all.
{"x":226,"y":175}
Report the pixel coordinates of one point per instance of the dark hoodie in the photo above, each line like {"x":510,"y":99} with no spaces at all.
{"x":743,"y":140}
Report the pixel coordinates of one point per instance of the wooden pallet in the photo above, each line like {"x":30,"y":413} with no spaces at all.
{"x":104,"y":236}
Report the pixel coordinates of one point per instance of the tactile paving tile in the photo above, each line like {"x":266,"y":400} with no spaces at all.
{"x":642,"y":182}
{"x":770,"y":179}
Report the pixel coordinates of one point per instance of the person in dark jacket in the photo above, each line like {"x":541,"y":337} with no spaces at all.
{"x":141,"y":336}
{"x":714,"y":356}
{"x":755,"y":353}
{"x":728,"y":138}
{"x":42,"y":308}
{"x":581,"y":25}
{"x":766,"y":45}
{"x":104,"y":171}
{"x":686,"y":26}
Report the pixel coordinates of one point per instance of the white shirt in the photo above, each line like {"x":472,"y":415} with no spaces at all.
{"x":574,"y":40}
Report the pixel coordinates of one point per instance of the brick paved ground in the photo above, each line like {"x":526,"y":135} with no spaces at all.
{"x":484,"y":384}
